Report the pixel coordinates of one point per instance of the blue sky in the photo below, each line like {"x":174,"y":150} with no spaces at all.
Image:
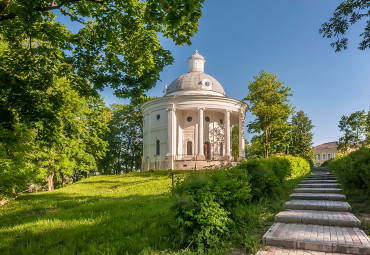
{"x":240,"y":38}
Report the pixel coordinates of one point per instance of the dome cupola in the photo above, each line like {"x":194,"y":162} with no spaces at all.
{"x":195,"y":82}
{"x":196,"y":63}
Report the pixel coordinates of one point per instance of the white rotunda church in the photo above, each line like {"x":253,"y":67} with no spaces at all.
{"x":190,"y":126}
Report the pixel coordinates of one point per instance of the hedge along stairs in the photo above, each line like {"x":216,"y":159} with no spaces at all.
{"x":317,"y":221}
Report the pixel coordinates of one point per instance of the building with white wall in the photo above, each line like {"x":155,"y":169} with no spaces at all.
{"x":190,"y":126}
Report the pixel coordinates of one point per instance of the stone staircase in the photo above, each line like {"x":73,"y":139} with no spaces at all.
{"x":317,"y":222}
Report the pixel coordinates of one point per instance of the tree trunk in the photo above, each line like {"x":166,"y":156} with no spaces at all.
{"x":266,"y":139}
{"x":51,"y":175}
{"x":51,"y":180}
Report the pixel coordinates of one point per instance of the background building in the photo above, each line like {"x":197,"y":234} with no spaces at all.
{"x":190,"y":127}
{"x":324,"y":152}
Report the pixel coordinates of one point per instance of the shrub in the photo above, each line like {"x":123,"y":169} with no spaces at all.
{"x":324,"y":164}
{"x":352,"y":170}
{"x":268,"y":174}
{"x":207,"y":204}
{"x":203,"y":203}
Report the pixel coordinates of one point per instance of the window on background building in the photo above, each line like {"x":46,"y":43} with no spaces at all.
{"x":323,"y":156}
{"x":157,"y":147}
{"x":329,"y":156}
{"x":315,"y":157}
{"x":318,"y":156}
{"x":221,"y":149}
{"x":334,"y":155}
{"x":189,"y":148}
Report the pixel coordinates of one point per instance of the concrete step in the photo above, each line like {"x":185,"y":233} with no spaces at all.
{"x":318,"y":181}
{"x":318,"y":190}
{"x":318,"y":238}
{"x":318,"y":196}
{"x":318,"y":205}
{"x":272,"y":250}
{"x":327,"y":218}
{"x":321,"y":177}
{"x":320,"y":185}
{"x":322,"y":174}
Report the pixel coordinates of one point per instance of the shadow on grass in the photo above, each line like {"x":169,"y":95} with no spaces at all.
{"x":84,"y":225}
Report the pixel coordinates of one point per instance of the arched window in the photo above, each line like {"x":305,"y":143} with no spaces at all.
{"x":221,"y":149}
{"x":189,"y":148}
{"x":157,"y":147}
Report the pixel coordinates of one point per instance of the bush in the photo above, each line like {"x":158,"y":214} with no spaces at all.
{"x":207,"y":204}
{"x":203,"y":204}
{"x":324,"y":164}
{"x":352,"y":170}
{"x":268,"y":174}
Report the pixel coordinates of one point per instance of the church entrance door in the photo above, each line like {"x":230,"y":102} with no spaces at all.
{"x":207,"y":151}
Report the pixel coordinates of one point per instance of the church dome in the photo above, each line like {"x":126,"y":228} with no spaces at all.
{"x":195,"y":81}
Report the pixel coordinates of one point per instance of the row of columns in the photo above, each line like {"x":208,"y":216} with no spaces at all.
{"x":172,"y":126}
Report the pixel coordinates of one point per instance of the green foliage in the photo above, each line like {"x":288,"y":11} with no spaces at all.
{"x":125,"y":139}
{"x":301,"y":137}
{"x":269,"y":101}
{"x":116,"y":43}
{"x":49,"y":76}
{"x":209,"y":205}
{"x":352,"y":170}
{"x":203,"y":203}
{"x":235,"y":142}
{"x":267,"y":175}
{"x":346,"y":14}
{"x":356,"y":130}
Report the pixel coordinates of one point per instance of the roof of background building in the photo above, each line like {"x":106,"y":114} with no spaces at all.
{"x":331,"y":145}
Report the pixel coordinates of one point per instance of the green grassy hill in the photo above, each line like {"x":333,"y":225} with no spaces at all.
{"x":125,"y":214}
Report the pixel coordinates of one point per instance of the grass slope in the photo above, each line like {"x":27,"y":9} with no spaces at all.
{"x":125,"y":214}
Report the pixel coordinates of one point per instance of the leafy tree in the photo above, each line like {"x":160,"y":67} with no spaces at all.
{"x":346,"y":14}
{"x":117,"y":44}
{"x":269,"y":102}
{"x":70,"y":139}
{"x":301,"y":136}
{"x":355,"y":128}
{"x":235,"y":141}
{"x":125,"y":139}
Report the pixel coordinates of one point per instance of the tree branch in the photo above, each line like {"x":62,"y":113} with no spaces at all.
{"x":74,"y":18}
{"x":7,"y":16}
{"x":4,"y":4}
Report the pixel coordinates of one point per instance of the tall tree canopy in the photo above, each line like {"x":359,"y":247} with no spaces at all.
{"x":346,"y":14}
{"x":118,"y":44}
{"x":125,"y":140}
{"x":268,"y":99}
{"x":49,"y":75}
{"x":356,"y":130}
{"x":301,"y":136}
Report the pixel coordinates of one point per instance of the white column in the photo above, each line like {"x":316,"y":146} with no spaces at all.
{"x":174,"y":132}
{"x":227,"y":133}
{"x":200,"y":132}
{"x":169,"y":132}
{"x":241,"y":136}
{"x":171,"y":127}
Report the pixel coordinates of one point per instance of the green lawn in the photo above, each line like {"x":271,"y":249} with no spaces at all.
{"x":125,"y":214}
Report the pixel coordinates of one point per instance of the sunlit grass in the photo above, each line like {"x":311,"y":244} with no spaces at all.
{"x":99,"y":215}
{"x":124,"y":214}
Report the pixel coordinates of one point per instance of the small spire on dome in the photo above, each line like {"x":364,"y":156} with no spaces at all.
{"x":196,"y":62}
